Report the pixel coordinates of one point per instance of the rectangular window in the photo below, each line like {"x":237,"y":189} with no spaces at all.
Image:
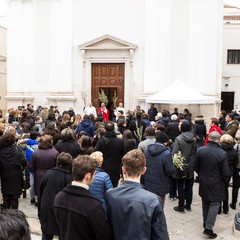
{"x":233,"y":56}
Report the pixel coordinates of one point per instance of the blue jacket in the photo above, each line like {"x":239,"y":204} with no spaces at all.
{"x":32,"y":145}
{"x":100,"y":185}
{"x":135,"y":213}
{"x":86,"y":126}
{"x":159,"y":168}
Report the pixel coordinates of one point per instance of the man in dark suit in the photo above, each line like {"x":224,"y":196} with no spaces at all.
{"x":79,"y":215}
{"x":211,"y":165}
{"x":133,"y":211}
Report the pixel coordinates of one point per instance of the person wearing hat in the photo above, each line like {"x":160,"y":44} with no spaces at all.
{"x":159,"y":166}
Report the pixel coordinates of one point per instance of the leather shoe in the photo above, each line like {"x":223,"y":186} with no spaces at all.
{"x":188,"y":208}
{"x":179,"y":209}
{"x":209,"y":233}
{"x":233,"y":206}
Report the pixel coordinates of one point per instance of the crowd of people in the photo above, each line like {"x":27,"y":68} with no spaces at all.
{"x":93,"y":176}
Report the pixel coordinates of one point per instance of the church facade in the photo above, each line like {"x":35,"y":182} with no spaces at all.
{"x":66,"y":52}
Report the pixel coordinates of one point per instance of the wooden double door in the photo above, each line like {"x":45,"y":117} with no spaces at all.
{"x":108,"y":77}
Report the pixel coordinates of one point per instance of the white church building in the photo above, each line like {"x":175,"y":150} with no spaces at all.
{"x":64,"y":52}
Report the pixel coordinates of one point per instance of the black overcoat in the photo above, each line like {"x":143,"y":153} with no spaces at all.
{"x":212,"y":167}
{"x":113,"y":151}
{"x":68,"y":146}
{"x":12,"y":160}
{"x":53,"y":182}
{"x":79,"y":215}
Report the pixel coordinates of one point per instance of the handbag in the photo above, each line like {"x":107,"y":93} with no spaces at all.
{"x":25,"y":178}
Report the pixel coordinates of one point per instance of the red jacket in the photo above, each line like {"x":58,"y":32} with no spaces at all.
{"x":105,"y":112}
{"x":212,"y":129}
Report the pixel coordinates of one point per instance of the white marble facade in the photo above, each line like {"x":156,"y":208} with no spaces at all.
{"x":51,"y":45}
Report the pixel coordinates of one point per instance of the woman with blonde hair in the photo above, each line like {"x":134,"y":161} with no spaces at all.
{"x":101,"y":182}
{"x":66,"y":119}
{"x":227,"y":144}
{"x":76,"y":121}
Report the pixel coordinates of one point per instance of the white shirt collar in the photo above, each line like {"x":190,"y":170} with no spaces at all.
{"x":75,"y":183}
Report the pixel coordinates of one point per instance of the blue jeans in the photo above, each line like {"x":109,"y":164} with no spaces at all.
{"x":185,"y":191}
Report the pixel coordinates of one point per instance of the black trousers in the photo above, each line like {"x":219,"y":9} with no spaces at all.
{"x":236,"y":185}
{"x":10,"y":201}
{"x":46,"y":236}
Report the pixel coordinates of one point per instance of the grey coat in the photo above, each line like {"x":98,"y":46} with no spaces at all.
{"x":186,"y":143}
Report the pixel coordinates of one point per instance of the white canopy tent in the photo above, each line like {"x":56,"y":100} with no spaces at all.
{"x":180,"y":93}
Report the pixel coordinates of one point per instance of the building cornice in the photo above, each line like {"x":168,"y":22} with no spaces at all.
{"x":233,"y":17}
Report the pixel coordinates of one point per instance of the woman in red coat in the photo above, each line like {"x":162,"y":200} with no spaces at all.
{"x":213,"y":127}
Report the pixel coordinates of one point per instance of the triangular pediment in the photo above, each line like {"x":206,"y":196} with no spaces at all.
{"x":107,"y":42}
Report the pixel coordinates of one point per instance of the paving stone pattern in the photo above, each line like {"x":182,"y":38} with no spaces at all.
{"x":187,"y":226}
